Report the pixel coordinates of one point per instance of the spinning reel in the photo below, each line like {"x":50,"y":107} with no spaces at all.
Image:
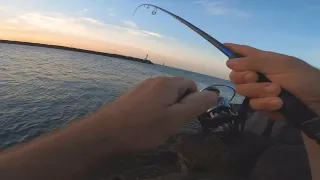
{"x":222,"y":119}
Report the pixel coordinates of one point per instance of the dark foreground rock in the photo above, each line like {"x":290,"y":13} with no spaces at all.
{"x":190,"y":156}
{"x":282,"y":161}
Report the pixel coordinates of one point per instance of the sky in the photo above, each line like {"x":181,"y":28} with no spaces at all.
{"x":288,"y":26}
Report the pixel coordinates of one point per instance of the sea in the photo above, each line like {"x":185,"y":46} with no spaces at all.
{"x":42,"y":89}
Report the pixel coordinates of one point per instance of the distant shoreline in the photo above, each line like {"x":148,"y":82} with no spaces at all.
{"x":129,"y":58}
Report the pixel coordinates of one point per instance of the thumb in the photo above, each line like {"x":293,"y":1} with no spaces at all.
{"x":250,"y":62}
{"x":242,"y":49}
{"x":195,"y":104}
{"x":262,"y":61}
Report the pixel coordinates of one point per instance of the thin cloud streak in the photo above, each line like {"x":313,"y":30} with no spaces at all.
{"x":111,"y":14}
{"x":130,"y":24}
{"x":93,"y":21}
{"x":222,"y":8}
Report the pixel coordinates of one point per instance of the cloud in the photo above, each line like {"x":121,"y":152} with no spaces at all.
{"x":136,"y":32}
{"x":217,"y":9}
{"x":93,"y":21}
{"x":84,"y":10}
{"x":133,"y":29}
{"x":200,"y":2}
{"x":222,"y":8}
{"x":89,"y":33}
{"x":111,"y":12}
{"x":3,"y":8}
{"x":79,"y":26}
{"x":130,"y":24}
{"x":14,"y":21}
{"x":53,"y":23}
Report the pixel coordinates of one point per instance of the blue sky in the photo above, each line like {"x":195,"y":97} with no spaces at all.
{"x":286,"y":26}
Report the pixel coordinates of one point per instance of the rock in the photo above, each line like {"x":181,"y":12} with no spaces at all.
{"x":198,"y":176}
{"x":282,"y":162}
{"x":144,"y":166}
{"x":258,"y":154}
{"x":213,"y":155}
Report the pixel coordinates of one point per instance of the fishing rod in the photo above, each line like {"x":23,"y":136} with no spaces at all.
{"x":293,"y":109}
{"x":206,"y":36}
{"x":241,"y":116}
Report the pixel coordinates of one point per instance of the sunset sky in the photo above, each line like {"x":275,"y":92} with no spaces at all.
{"x":286,"y":26}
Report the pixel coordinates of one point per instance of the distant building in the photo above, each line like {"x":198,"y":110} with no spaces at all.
{"x":146,"y":57}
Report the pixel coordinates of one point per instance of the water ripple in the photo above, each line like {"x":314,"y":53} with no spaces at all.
{"x":43,"y":89}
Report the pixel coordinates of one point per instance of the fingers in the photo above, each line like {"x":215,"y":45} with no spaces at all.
{"x":259,"y":90}
{"x":262,"y":61}
{"x":266,"y":104}
{"x":264,"y":95}
{"x":264,"y":65}
{"x":243,"y":77}
{"x":255,"y":60}
{"x":174,"y":88}
{"x":246,"y":64}
{"x":185,"y":86}
{"x":195,"y":104}
{"x":180,"y":83}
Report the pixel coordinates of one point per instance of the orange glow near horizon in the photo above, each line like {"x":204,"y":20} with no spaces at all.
{"x":91,"y":34}
{"x":63,"y":40}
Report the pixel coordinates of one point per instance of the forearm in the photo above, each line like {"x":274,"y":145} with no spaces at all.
{"x":70,"y":153}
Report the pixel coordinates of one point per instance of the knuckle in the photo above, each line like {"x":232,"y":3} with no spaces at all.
{"x":263,"y":55}
{"x":150,"y":81}
{"x":246,"y":47}
{"x":147,"y":81}
{"x":192,"y":83}
{"x":163,"y":81}
{"x":233,"y":76}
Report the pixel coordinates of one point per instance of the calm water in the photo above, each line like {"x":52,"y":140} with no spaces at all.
{"x":42,"y":89}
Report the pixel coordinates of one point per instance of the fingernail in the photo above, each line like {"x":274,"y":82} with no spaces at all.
{"x":271,"y":88}
{"x":232,"y":63}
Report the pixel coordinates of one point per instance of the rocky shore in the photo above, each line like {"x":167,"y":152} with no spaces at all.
{"x":257,"y":155}
{"x":129,"y":58}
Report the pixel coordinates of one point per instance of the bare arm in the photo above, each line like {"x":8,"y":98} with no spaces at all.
{"x":135,"y":122}
{"x":70,"y":153}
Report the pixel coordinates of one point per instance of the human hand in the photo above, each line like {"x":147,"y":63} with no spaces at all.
{"x":284,"y":71}
{"x":146,"y":116}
